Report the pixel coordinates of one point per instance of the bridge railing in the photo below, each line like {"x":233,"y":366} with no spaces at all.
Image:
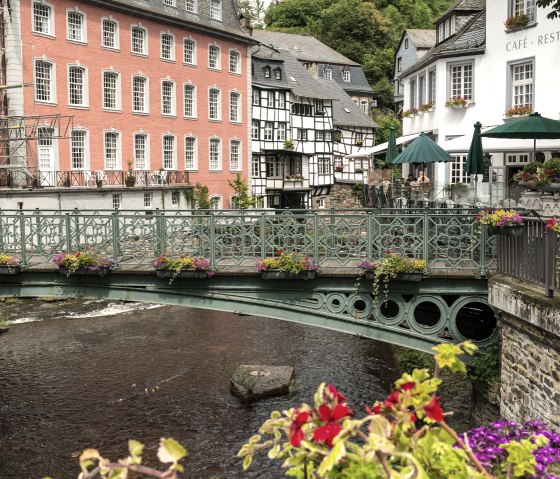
{"x":450,"y":241}
{"x":532,"y":257}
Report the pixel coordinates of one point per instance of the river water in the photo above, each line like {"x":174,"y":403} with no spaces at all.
{"x":79,"y":374}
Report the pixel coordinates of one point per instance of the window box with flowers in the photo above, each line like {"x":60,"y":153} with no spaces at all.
{"x":457,"y":102}
{"x":518,"y":111}
{"x":393,"y":266}
{"x":83,"y":263}
{"x":409,"y":113}
{"x":540,"y":176}
{"x":186,"y":267}
{"x":515,"y":22}
{"x":427,"y":107}
{"x":502,"y":222}
{"x":339,"y":168}
{"x":287,"y":265}
{"x":9,"y":264}
{"x":293,"y":177}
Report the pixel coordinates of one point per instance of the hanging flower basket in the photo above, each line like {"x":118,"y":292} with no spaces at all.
{"x":84,"y":270}
{"x":287,"y":265}
{"x":9,"y":264}
{"x":7,"y":269}
{"x":185,"y":274}
{"x":511,"y":231}
{"x":83,"y":263}
{"x":277,"y":274}
{"x":186,"y":267}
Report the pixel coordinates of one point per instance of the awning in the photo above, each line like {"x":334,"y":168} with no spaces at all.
{"x":382,"y":147}
{"x":462,"y":144}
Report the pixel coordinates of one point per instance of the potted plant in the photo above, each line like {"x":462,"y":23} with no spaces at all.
{"x":514,"y":22}
{"x":339,"y":168}
{"x":506,"y":222}
{"x":427,"y":106}
{"x":359,"y":142}
{"x":182,"y":267}
{"x":393,"y":266}
{"x":409,"y":113}
{"x":98,"y":179}
{"x":358,"y":170}
{"x":540,"y":176}
{"x":288,"y":145}
{"x":553,"y":225}
{"x":519,"y":110}
{"x":83,"y":262}
{"x":287,"y":265}
{"x":129,"y":179}
{"x":457,"y":102}
{"x":9,"y":264}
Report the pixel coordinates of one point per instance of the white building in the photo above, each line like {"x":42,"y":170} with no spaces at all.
{"x":494,"y":68}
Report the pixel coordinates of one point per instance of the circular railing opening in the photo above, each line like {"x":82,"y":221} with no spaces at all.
{"x":390,"y":309}
{"x":427,"y":314}
{"x":476,"y":321}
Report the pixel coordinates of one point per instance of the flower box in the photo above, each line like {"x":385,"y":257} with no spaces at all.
{"x":277,"y":274}
{"x":185,"y":274}
{"x":411,"y":277}
{"x":83,"y":271}
{"x":9,"y":269}
{"x":515,"y":231}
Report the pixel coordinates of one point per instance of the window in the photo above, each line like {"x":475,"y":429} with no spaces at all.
{"x":140,"y":151}
{"x":235,"y":155}
{"x":169,"y":152}
{"x":234,"y":62}
{"x":148,"y":197}
{"x":139,"y":94}
{"x":111,"y":97}
{"x":517,"y":158}
{"x":111,"y":150}
{"x":327,"y":73}
{"x":458,"y":169}
{"x":270,"y":99}
{"x":139,"y":41}
{"x":214,"y":104}
{"x":255,"y":130}
{"x":413,"y":94}
{"x":255,"y":167}
{"x":301,"y":134}
{"x":78,"y":149}
{"x":168,"y":98}
{"x":461,"y":81}
{"x":323,"y":165}
{"x":191,"y":156}
{"x":346,"y":75}
{"x":432,"y":86}
{"x":234,"y":107}
{"x":76,"y":26}
{"x":274,"y":168}
{"x":268,"y":129}
{"x":77,"y":86}
{"x":170,"y":3}
{"x":301,"y":109}
{"x":523,"y":7}
{"x":319,"y":135}
{"x":175,"y":198}
{"x":364,"y":106}
{"x":266,"y":72}
{"x":117,"y":201}
{"x":406,"y":43}
{"x":215,"y":154}
{"x":256,"y":97}
{"x":109,"y":34}
{"x":319,"y":107}
{"x":281,"y":132}
{"x":521,"y":78}
{"x":421,"y":90}
{"x":167,"y":43}
{"x":189,"y":51}
{"x":44,"y":87}
{"x":42,"y":19}
{"x":281,"y":99}
{"x":399,"y":64}
{"x":214,"y":57}
{"x":189,"y":101}
{"x":215,"y":202}
{"x":216,"y":9}
{"x":278,"y":73}
{"x":191,"y":6}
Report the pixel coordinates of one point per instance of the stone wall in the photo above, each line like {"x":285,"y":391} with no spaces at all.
{"x":530,"y":333}
{"x":340,"y":196}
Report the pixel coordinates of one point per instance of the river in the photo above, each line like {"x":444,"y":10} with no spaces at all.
{"x":77,"y":374}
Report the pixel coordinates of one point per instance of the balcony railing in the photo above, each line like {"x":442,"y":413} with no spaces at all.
{"x":32,"y":177}
{"x":533,"y":257}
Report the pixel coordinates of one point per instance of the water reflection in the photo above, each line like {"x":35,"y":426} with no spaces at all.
{"x":76,"y":374}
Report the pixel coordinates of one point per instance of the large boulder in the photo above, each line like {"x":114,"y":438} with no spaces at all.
{"x":253,"y":382}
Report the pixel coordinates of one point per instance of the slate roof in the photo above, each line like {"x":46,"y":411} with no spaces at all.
{"x":422,"y":38}
{"x":469,"y":40}
{"x":301,"y":82}
{"x":262,"y":57}
{"x":464,"y":6}
{"x":358,"y":82}
{"x":178,"y":16}
{"x":303,"y":47}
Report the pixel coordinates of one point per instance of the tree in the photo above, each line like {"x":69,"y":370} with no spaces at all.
{"x":555,"y":7}
{"x":254,"y":10}
{"x":296,"y":16}
{"x":242,"y":199}
{"x":198,"y":197}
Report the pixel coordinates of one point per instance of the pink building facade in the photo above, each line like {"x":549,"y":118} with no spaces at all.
{"x":160,"y":89}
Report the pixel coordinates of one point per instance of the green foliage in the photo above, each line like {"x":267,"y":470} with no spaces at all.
{"x":254,"y":10}
{"x":242,"y":199}
{"x":198,"y":197}
{"x":358,"y":191}
{"x":555,"y":7}
{"x":409,"y":359}
{"x":485,"y":368}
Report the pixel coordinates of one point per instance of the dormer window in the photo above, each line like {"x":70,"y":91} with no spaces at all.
{"x":327,"y":72}
{"x":346,"y":75}
{"x":445,"y":29}
{"x":406,"y":43}
{"x":266,"y":71}
{"x":278,"y":73}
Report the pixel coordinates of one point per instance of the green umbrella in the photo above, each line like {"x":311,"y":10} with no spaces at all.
{"x":391,"y":146}
{"x":475,"y":158}
{"x":423,"y":150}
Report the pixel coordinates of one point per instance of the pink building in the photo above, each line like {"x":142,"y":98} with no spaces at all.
{"x":159,"y":88}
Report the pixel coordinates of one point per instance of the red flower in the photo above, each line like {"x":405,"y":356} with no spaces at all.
{"x":392,"y":399}
{"x":296,"y":434}
{"x":336,"y":395}
{"x":375,"y":409}
{"x":408,"y":386}
{"x":433,"y":409}
{"x":279,"y":252}
{"x":328,"y":431}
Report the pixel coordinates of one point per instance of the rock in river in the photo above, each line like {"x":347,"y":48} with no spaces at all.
{"x":253,"y":382}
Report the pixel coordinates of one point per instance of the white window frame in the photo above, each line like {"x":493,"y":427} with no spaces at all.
{"x":215,"y":154}
{"x":194,"y":165}
{"x":457,"y":170}
{"x":432,"y":85}
{"x":193,"y":3}
{"x":148,"y":200}
{"x":52,"y":80}
{"x":235,"y":107}
{"x":146,"y":94}
{"x":85,"y":165}
{"x":525,"y":87}
{"x":458,"y":69}
{"x":323,"y":165}
{"x":116,"y":35}
{"x":234,"y":61}
{"x":145,"y":50}
{"x":214,"y":61}
{"x":172,"y":99}
{"x":281,"y":131}
{"x":170,"y":3}
{"x":175,"y":198}
{"x":165,"y":152}
{"x":235,"y":157}
{"x":523,"y":7}
{"x":216,"y":202}
{"x":327,"y":73}
{"x":50,"y":23}
{"x":118,"y":150}
{"x":281,"y":100}
{"x":268,"y":131}
{"x":118,"y":101}
{"x":191,"y":41}
{"x":216,"y":10}
{"x":171,"y":37}
{"x":346,"y":76}
{"x":217,"y":107}
{"x":146,"y":151}
{"x":85,"y":89}
{"x":193,"y":102}
{"x":83,"y":28}
{"x":117,"y":201}
{"x":255,"y":130}
{"x":255,"y":166}
{"x":256,"y":95}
